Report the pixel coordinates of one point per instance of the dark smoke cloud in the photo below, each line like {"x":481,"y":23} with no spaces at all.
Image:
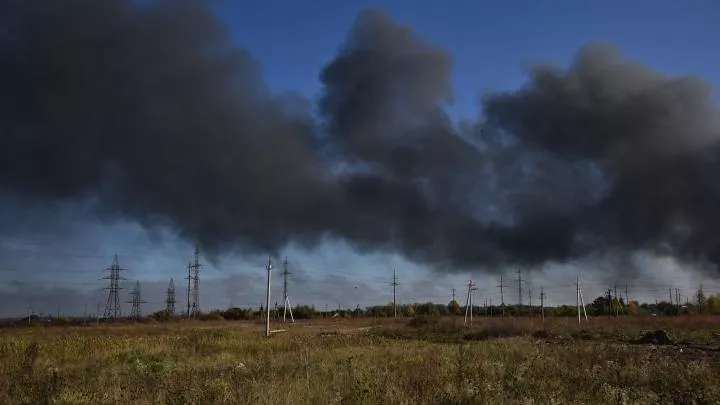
{"x":655,"y":139}
{"x":150,"y":111}
{"x":154,"y":112}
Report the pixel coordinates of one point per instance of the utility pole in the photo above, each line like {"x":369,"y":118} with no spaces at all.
{"x":30,"y":314}
{"x":267,"y":299}
{"x":580,"y":300}
{"x":542,"y":303}
{"x":616,"y":302}
{"x":136,"y":301}
{"x":519,"y":281}
{"x":615,"y":287}
{"x":608,"y":298}
{"x":627,"y":298}
{"x":577,"y":297}
{"x":112,"y":307}
{"x":285,"y":292}
{"x":502,"y":296}
{"x":170,"y":299}
{"x":700,"y":301}
{"x":469,"y":302}
{"x":530,"y":300}
{"x":453,"y":302}
{"x":394,"y":285}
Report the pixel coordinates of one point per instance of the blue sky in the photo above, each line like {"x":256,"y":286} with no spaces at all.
{"x":490,"y":42}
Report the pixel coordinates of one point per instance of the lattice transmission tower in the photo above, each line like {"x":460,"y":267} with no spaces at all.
{"x":112,"y":307}
{"x":194,"y":291}
{"x":136,"y":300}
{"x":170,"y":299}
{"x":286,"y":298}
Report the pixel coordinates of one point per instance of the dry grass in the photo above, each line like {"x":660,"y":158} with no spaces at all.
{"x":434,"y":361}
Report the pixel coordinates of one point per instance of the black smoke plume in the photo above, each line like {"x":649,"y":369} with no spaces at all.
{"x":150,"y":110}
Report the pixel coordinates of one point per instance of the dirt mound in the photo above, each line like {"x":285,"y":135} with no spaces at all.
{"x":658,"y":337}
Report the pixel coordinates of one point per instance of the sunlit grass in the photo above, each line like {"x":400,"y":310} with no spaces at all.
{"x":433,"y":362}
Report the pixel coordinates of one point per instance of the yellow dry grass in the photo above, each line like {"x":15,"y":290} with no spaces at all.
{"x":434,"y":362}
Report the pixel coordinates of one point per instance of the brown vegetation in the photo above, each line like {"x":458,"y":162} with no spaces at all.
{"x":423,"y":360}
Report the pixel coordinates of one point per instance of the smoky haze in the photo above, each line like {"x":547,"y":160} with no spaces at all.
{"x":151,"y":112}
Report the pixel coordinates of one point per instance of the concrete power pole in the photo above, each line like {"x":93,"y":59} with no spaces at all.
{"x":627,"y":298}
{"x":469,"y":302}
{"x":530,"y":300}
{"x":579,"y":300}
{"x":453,"y":301}
{"x":520,"y":290}
{"x":502,"y":296}
{"x":267,"y":299}
{"x":542,"y":303}
{"x":394,"y":285}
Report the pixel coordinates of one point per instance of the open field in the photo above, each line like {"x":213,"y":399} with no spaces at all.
{"x":365,"y":361}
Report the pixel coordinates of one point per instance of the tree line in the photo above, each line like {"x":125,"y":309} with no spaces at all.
{"x":606,"y":305}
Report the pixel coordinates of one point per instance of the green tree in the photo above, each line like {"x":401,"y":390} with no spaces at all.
{"x":713,"y":304}
{"x":427,"y":308}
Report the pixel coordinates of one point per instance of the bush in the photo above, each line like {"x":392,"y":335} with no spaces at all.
{"x":161,"y":316}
